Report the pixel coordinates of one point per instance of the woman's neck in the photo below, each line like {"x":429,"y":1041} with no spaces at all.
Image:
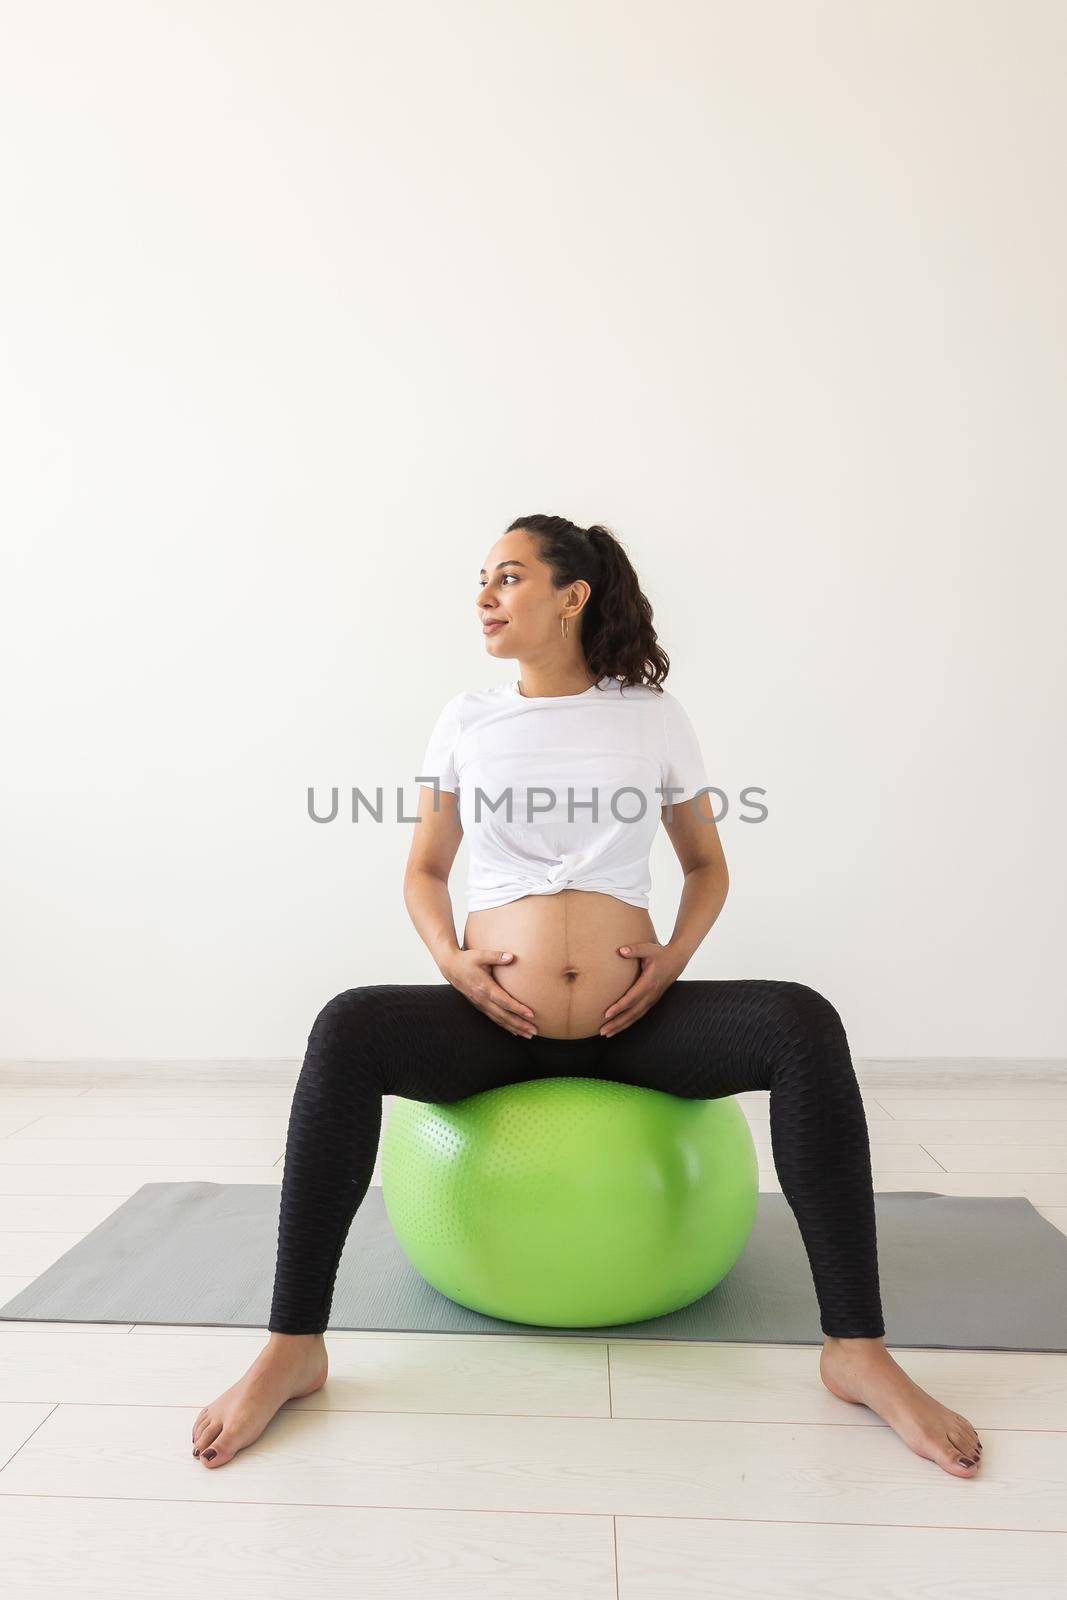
{"x":559,"y":679}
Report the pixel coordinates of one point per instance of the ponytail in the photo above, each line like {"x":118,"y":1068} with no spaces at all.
{"x":617,"y":636}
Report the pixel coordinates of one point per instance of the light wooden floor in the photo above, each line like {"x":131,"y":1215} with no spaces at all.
{"x":438,"y":1466}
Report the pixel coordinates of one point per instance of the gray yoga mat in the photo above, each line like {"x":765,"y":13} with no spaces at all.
{"x":957,"y":1274}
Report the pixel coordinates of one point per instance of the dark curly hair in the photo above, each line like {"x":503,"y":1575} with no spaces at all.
{"x":617,"y":636}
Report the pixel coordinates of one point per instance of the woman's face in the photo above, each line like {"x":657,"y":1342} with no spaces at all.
{"x":517,"y":606}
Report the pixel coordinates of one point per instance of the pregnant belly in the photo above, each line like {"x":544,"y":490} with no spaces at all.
{"x":566,"y":964}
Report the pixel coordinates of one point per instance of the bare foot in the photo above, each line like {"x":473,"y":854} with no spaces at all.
{"x":863,"y":1371}
{"x":289,"y":1365}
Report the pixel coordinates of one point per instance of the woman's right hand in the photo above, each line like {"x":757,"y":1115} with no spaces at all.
{"x":470,"y":972}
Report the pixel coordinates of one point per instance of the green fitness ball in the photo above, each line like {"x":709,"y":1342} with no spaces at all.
{"x":570,"y":1202}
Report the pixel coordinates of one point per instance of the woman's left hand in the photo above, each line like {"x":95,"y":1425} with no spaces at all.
{"x":660,"y":965}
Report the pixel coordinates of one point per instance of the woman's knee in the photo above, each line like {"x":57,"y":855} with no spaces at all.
{"x":345,"y":1032}
{"x":808,"y":1025}
{"x":361,"y":1004}
{"x":809,"y":1003}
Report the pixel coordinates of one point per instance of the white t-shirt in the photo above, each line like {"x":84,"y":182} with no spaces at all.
{"x":549,"y":758}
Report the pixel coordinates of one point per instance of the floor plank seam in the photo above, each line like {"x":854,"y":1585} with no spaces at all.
{"x":505,"y":1511}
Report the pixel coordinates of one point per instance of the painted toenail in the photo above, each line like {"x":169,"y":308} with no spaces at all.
{"x":209,"y":1455}
{"x":962,"y":1461}
{"x":196,"y":1452}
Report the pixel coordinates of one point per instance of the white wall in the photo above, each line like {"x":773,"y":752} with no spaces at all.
{"x":303,"y":303}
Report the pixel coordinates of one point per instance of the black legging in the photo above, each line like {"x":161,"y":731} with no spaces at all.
{"x":702,"y":1039}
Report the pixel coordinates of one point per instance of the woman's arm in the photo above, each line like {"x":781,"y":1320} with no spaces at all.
{"x":436,"y":839}
{"x":692,"y":831}
{"x":691,"y":828}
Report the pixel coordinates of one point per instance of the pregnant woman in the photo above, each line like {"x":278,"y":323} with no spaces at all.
{"x":560,"y":972}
